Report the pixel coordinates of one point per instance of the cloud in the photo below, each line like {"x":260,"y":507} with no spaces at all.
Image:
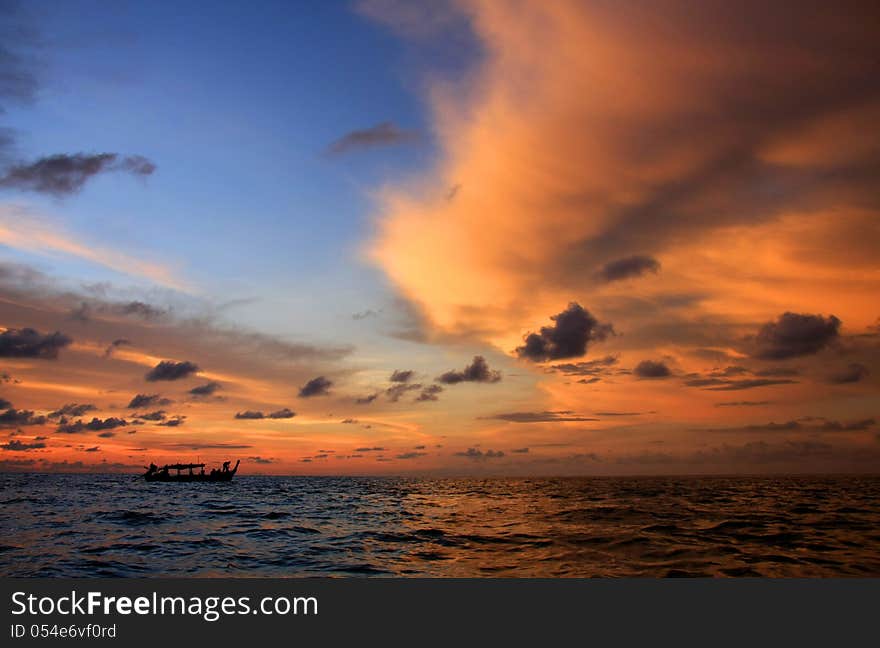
{"x":429,"y":393}
{"x":174,"y":422}
{"x":18,"y":446}
{"x":383,"y":134}
{"x":540,"y":417}
{"x":171,"y":370}
{"x":742,"y":404}
{"x":807,"y":424}
{"x":14,"y":418}
{"x":629,"y":267}
{"x":477,"y":371}
{"x":64,"y":173}
{"x":146,"y":400}
{"x":22,"y":229}
{"x":574,"y":329}
{"x":583,"y":135}
{"x":319,"y":386}
{"x":396,"y":391}
{"x":401,"y":376}
{"x":375,"y":449}
{"x":748,"y":383}
{"x":260,"y":460}
{"x":362,"y":315}
{"x":520,"y":450}
{"x":411,"y":455}
{"x":250,"y":415}
{"x":29,"y":343}
{"x":795,"y":334}
{"x":158,"y":415}
{"x":95,"y":425}
{"x":210,"y":446}
{"x":115,"y":344}
{"x":479,"y":455}
{"x":5,"y":404}
{"x":366,"y":400}
{"x":107,"y":435}
{"x":597,"y":367}
{"x":652,"y":369}
{"x":285,"y":413}
{"x":205,"y":390}
{"x":72,"y":409}
{"x":854,"y":373}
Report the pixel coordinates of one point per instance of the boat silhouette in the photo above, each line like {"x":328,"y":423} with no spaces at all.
{"x":164,"y":474}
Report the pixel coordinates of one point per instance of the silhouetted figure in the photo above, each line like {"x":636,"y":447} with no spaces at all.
{"x":226,"y":466}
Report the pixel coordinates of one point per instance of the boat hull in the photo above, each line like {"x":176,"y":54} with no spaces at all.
{"x":222,"y":477}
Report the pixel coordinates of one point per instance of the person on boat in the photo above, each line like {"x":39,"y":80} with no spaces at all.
{"x":226,"y":466}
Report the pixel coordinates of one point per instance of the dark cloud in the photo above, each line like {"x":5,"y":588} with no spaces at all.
{"x":366,"y":400}
{"x":411,"y":455}
{"x":158,"y":415}
{"x":147,"y":400}
{"x":748,"y":454}
{"x":362,"y":315}
{"x":808,"y":424}
{"x":652,"y":369}
{"x":319,"y":386}
{"x":285,"y":413}
{"x":29,"y":343}
{"x":854,"y":373}
{"x":777,"y":372}
{"x":115,"y":344}
{"x":376,"y":449}
{"x":205,"y":390}
{"x":742,"y":404}
{"x":19,"y":446}
{"x":170,"y":370}
{"x":394,"y":392}
{"x":574,"y":329}
{"x":5,"y":404}
{"x":383,"y":134}
{"x":209,"y":446}
{"x":139,"y":309}
{"x":174,"y":422}
{"x":107,"y":435}
{"x":477,"y":371}
{"x":14,"y":418}
{"x":95,"y":425}
{"x":479,"y":455}
{"x":72,"y":409}
{"x":795,"y":334}
{"x":401,"y":375}
{"x":66,"y":173}
{"x":520,"y":451}
{"x":429,"y":393}
{"x":260,"y":460}
{"x":560,"y":416}
{"x":250,"y":415}
{"x":628,"y":267}
{"x":748,"y":383}
{"x":587,"y":368}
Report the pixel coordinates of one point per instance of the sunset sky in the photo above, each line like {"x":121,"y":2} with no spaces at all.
{"x":478,"y":237}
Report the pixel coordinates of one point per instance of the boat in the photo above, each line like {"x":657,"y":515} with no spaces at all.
{"x":164,"y":474}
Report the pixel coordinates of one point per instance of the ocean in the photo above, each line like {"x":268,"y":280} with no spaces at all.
{"x":117,"y":525}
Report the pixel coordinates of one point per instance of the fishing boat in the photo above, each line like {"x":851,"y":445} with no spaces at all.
{"x":185,"y":473}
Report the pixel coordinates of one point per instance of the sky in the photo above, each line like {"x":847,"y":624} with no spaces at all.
{"x":441,"y":238}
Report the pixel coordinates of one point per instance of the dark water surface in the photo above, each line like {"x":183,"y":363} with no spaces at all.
{"x":111,"y":525}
